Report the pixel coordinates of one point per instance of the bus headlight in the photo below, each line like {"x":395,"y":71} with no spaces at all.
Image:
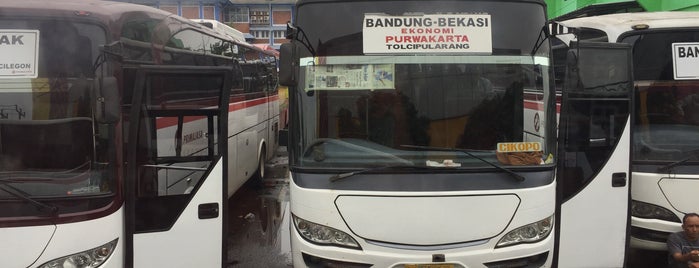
{"x":650,"y":211}
{"x":529,"y":233}
{"x":324,"y":235}
{"x":86,"y":259}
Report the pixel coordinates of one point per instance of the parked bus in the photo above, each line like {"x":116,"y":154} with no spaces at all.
{"x":423,"y":134}
{"x":255,"y":109}
{"x":118,"y":125}
{"x":665,"y":171}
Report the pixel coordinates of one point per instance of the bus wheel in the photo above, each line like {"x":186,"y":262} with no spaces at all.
{"x":259,"y":176}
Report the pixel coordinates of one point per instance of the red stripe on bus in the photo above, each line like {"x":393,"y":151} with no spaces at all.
{"x":164,"y":122}
{"x":539,"y":107}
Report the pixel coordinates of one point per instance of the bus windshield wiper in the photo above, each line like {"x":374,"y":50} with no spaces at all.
{"x":516,"y":176}
{"x":692,"y":154}
{"x":5,"y":187}
{"x":340,"y":176}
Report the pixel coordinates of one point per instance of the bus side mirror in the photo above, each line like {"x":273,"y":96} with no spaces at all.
{"x":287,"y":64}
{"x":106,"y":100}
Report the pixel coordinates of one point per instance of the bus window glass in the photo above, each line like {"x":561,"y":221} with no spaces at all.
{"x":139,"y":29}
{"x":667,"y":110}
{"x":52,"y":113}
{"x":217,"y":46}
{"x":188,"y":40}
{"x":170,"y":141}
{"x":366,"y":103}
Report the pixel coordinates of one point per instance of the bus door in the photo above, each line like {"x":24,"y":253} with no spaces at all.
{"x":175,"y":188}
{"x":593,"y":170}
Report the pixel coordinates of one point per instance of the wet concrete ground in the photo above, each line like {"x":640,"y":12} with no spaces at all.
{"x":646,"y":259}
{"x":259,"y":224}
{"x":259,"y":220}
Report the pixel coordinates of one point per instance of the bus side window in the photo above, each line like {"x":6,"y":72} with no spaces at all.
{"x":249,"y":72}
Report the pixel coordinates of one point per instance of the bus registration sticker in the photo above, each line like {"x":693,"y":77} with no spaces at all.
{"x":19,"y":53}
{"x":444,"y":33}
{"x":685,"y":58}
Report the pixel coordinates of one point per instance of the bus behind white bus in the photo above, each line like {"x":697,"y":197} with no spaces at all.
{"x":665,"y":174}
{"x":423,"y":134}
{"x":124,"y":129}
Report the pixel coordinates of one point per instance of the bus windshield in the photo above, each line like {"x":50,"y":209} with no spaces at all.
{"x":50,"y":146}
{"x":667,"y":109}
{"x":372,"y":107}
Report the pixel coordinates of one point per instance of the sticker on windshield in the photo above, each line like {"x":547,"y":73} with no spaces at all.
{"x":521,"y":153}
{"x":446,"y":33}
{"x":685,"y":58}
{"x":511,"y":147}
{"x":350,"y":77}
{"x":19,"y":53}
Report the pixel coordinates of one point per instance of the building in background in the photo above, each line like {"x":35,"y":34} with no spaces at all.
{"x":262,"y":21}
{"x":567,"y":9}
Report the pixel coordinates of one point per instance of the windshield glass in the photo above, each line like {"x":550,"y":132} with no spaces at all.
{"x":364,"y":106}
{"x":667,"y":108}
{"x":50,"y":147}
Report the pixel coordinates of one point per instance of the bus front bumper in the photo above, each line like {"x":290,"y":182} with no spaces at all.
{"x":306,"y":254}
{"x":651,"y":234}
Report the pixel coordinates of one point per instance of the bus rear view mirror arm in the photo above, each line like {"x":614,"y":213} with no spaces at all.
{"x":106,"y":100}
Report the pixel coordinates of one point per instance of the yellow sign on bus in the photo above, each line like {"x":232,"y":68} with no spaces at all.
{"x":511,"y":147}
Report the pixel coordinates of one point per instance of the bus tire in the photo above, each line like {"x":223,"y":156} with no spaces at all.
{"x":259,"y":176}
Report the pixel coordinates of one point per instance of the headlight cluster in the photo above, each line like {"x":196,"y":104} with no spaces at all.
{"x":86,"y":259}
{"x":528,"y":233}
{"x":324,"y":235}
{"x":650,"y":211}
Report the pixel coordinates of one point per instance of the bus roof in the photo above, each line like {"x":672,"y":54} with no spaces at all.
{"x":615,"y":25}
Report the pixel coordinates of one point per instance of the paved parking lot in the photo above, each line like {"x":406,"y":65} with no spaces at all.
{"x":258,"y":220}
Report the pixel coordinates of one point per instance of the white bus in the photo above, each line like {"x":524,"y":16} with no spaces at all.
{"x":223,"y":29}
{"x":119,"y":124}
{"x":255,"y":109}
{"x":665,"y":166}
{"x":423,"y":134}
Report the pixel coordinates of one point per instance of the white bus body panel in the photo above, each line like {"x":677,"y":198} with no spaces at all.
{"x":674,"y":192}
{"x":681,"y":192}
{"x":443,"y":219}
{"x":250,"y":124}
{"x":191,"y":242}
{"x":425,"y":217}
{"x":590,"y":234}
{"x":21,"y":246}
{"x":646,"y":185}
{"x":69,"y":238}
